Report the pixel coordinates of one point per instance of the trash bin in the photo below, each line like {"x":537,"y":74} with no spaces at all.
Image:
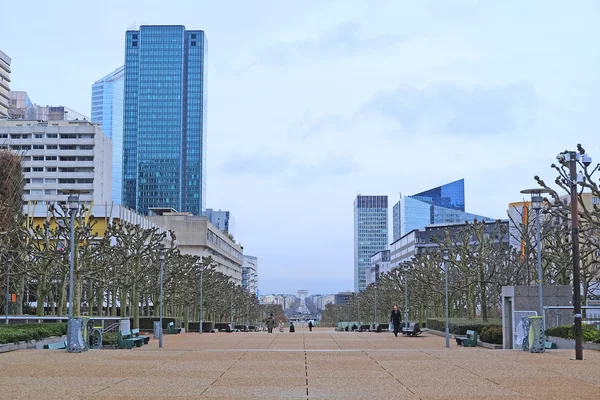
{"x":537,"y":340}
{"x":157,"y":329}
{"x":75,"y":342}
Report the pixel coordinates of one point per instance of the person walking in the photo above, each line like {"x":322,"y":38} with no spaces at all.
{"x":292,"y":327}
{"x":270,"y":323}
{"x":310,"y":325}
{"x":395,"y":319}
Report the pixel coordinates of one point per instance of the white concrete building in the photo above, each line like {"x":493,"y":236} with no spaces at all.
{"x":196,"y":236}
{"x":60,"y":156}
{"x":380,"y":265}
{"x":250,"y":274}
{"x":4,"y":84}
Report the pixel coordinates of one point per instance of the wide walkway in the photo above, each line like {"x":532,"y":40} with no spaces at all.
{"x":318,"y":365}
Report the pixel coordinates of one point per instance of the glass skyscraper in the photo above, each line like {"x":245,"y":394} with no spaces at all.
{"x":370,"y":234}
{"x":107,"y":109}
{"x":442,"y":204}
{"x":164,"y":149}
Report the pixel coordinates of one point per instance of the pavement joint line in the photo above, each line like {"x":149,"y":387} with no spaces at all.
{"x":390,"y":374}
{"x":338,"y":345}
{"x":116,"y":383}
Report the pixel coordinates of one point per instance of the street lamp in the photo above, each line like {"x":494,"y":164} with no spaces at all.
{"x":445,"y":263}
{"x":73,"y":205}
{"x":201,"y":279}
{"x":570,"y":159}
{"x":406,"y":269}
{"x":161,"y":258}
{"x":536,"y":204}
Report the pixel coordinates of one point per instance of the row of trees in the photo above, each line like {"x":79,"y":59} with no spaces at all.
{"x":116,"y":271}
{"x":480,"y":260}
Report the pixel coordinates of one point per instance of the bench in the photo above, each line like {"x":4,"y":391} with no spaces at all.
{"x":171,"y":330}
{"x":550,"y":345}
{"x":136,"y":333}
{"x":241,"y":328}
{"x":56,"y":346}
{"x":410,"y":329}
{"x":223,"y":327}
{"x":364,"y":328}
{"x":126,"y":341}
{"x":469,"y":340}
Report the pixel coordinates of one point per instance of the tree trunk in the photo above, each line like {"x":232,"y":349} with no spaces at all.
{"x":20,"y":295}
{"x":483,"y":291}
{"x":39,"y":309}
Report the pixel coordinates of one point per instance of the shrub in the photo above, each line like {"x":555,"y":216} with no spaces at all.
{"x":29,"y":332}
{"x":109,"y":339}
{"x":491,"y":334}
{"x":589,"y":333}
{"x":459,"y":326}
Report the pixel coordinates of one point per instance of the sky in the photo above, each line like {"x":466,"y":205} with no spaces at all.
{"x":311,"y":103}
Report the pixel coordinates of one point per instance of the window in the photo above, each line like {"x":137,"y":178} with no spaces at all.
{"x":39,"y":135}
{"x":52,"y":135}
{"x":37,"y":169}
{"x":193,"y":43}
{"x":37,"y":180}
{"x":86,"y":147}
{"x":36,"y":191}
{"x":50,"y":180}
{"x":51,"y":158}
{"x":38,"y":158}
{"x":38,"y":147}
{"x":62,"y":181}
{"x":50,"y":192}
{"x":26,"y":169}
{"x":51,"y":147}
{"x":134,"y":44}
{"x":134,"y":36}
{"x":50,"y":169}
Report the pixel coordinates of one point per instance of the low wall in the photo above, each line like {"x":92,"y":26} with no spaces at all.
{"x":38,"y":345}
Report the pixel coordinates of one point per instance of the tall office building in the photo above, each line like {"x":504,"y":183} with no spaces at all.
{"x":107,"y":109}
{"x":440,"y":205}
{"x":4,"y":84}
{"x":250,"y":274}
{"x":370,"y":234}
{"x":20,"y":106}
{"x":222,"y":220}
{"x":164,"y":131}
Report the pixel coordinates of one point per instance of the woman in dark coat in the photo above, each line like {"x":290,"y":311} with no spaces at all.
{"x":310,"y":325}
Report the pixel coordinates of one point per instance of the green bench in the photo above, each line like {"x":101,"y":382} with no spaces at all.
{"x":56,"y":346}
{"x":126,"y":341}
{"x":136,"y":334}
{"x":171,"y":330}
{"x":470,"y":340}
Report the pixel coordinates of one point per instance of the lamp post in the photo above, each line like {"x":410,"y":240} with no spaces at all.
{"x":7,"y":299}
{"x":201,"y":279}
{"x":445,"y":263}
{"x":536,"y":204}
{"x":406,"y":269}
{"x":73,"y":204}
{"x":161,"y":258}
{"x":570,"y":159}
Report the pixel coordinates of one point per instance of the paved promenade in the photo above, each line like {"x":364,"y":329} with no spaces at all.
{"x":322,"y":364}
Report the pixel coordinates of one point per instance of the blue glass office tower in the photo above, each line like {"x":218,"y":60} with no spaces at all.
{"x":442,"y":204}
{"x":107,"y":109}
{"x":370,"y":234}
{"x":164,"y":148}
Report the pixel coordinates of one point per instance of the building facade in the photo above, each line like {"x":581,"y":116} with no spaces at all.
{"x":380,"y":265}
{"x":444,"y":204}
{"x":107,"y":110}
{"x":370,"y":234}
{"x":419,"y":241}
{"x":20,"y":106}
{"x":222,"y":220}
{"x":198,"y":237}
{"x":250,"y":274}
{"x":59,"y":156}
{"x":342,"y":298}
{"x":164,"y":131}
{"x":4,"y":84}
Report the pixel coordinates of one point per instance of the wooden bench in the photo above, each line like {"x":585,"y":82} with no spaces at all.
{"x":126,"y":341}
{"x":469,"y":340}
{"x":56,"y":346}
{"x":136,"y":333}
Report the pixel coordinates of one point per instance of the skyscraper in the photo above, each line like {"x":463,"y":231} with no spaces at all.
{"x":107,"y":109}
{"x":164,"y":132}
{"x":442,"y":204}
{"x":4,"y":83}
{"x":370,"y":234}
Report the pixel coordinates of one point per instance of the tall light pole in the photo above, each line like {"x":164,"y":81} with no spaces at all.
{"x":201,"y":283}
{"x":406,"y":268}
{"x":536,"y":204}
{"x":7,"y":299}
{"x":73,"y":204}
{"x":161,"y":258}
{"x":570,"y":159}
{"x":445,"y":262}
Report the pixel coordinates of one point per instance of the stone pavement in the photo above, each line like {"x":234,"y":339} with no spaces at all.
{"x":322,"y":364}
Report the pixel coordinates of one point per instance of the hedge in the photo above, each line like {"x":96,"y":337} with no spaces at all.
{"x":458,"y":326}
{"x":29,"y":332}
{"x":589,"y":333}
{"x":147,"y":323}
{"x":491,"y":334}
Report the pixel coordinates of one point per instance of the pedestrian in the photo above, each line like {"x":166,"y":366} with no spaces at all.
{"x":281,"y":326}
{"x":395,"y":319}
{"x":310,"y":325}
{"x":270,"y":323}
{"x":292,"y":327}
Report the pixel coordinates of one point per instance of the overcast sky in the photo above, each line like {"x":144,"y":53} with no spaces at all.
{"x":312,"y":103}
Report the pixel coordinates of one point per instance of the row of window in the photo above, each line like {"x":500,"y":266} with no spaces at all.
{"x":47,"y":135}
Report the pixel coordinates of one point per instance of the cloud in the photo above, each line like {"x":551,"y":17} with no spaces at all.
{"x":265,"y":165}
{"x":458,"y":110}
{"x":344,"y":40}
{"x":308,"y":127}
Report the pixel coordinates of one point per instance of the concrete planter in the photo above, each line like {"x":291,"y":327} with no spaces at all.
{"x":569,"y":344}
{"x":31,"y":345}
